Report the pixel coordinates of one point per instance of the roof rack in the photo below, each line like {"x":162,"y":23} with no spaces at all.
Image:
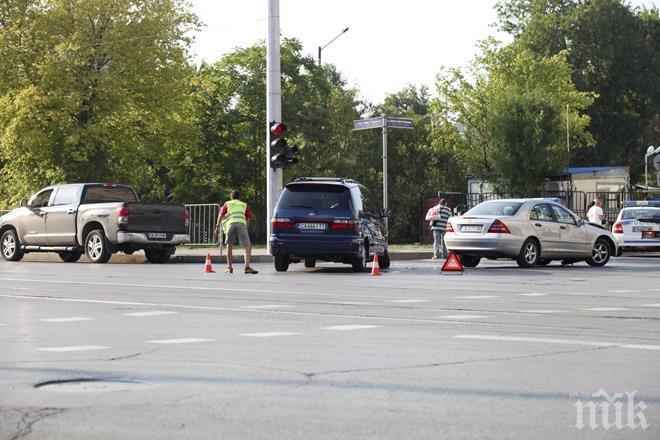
{"x":325,"y":179}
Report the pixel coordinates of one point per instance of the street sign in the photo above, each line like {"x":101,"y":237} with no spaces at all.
{"x":399,"y":122}
{"x":365,"y":124}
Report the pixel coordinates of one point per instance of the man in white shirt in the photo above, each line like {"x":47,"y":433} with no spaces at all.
{"x":595,"y":214}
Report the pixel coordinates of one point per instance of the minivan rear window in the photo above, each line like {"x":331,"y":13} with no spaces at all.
{"x":315,"y":196}
{"x":104,"y":194}
{"x":495,"y":208}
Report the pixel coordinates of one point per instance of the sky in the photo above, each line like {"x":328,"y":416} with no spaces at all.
{"x":389,"y":44}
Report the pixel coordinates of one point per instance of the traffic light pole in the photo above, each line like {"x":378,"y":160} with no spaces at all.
{"x":273,"y":108}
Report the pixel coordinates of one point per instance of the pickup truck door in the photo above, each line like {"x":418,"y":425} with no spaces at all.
{"x":61,"y":217}
{"x":33,"y":222}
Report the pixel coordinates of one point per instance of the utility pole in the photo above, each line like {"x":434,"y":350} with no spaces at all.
{"x":273,"y":108}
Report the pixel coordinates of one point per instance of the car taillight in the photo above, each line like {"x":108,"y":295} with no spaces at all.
{"x":450,"y":228}
{"x":122,"y":214}
{"x":343,"y":225}
{"x":186,"y":216}
{"x":281,"y":224}
{"x":498,"y":228}
{"x":618,"y":228}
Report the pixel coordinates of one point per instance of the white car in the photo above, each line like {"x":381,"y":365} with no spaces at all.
{"x":638,"y":225}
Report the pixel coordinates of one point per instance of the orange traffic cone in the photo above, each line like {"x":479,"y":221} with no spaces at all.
{"x":452,"y":263}
{"x":207,"y":266}
{"x":375,"y":268}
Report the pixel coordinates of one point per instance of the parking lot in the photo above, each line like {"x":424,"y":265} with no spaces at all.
{"x":495,"y":350}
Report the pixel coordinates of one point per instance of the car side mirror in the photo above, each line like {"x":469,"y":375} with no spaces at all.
{"x":387,"y":212}
{"x":580,"y":222}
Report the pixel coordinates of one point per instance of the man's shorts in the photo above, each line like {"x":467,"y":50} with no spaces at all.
{"x":238,"y":230}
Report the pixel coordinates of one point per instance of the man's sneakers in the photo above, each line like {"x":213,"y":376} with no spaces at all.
{"x":250,"y":270}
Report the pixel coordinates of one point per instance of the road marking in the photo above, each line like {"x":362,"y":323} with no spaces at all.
{"x":559,"y":341}
{"x":532,"y":294}
{"x":604,"y":309}
{"x":650,"y":305}
{"x":154,"y":313}
{"x":180,"y":341}
{"x":268,"y":306}
{"x":621,"y":291}
{"x":463,"y":317}
{"x":269,"y":334}
{"x":349,"y":303}
{"x":71,"y":319}
{"x":408,"y":301}
{"x":349,"y":327}
{"x":543,"y":311}
{"x":75,"y":348}
{"x":475,"y":297}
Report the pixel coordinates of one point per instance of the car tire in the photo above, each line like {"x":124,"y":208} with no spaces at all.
{"x":544,"y":262}
{"x":310,"y":262}
{"x":360,"y":261}
{"x":96,"y":247}
{"x":529,"y":254}
{"x":469,"y":260}
{"x":384,"y":260}
{"x":282,"y":263}
{"x":11,"y":246}
{"x":70,"y":256}
{"x":156,"y":256}
{"x":600,"y":253}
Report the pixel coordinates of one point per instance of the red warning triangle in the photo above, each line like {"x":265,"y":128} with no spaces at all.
{"x":452,"y":263}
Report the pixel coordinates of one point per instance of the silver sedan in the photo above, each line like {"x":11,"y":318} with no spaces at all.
{"x":530,"y":231}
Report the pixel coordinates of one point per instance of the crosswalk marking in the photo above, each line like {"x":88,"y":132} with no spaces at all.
{"x":70,"y":319}
{"x":349,"y":327}
{"x":74,"y":348}
{"x":153,"y":313}
{"x":269,"y":334}
{"x":180,"y":341}
{"x":559,"y":341}
{"x":532,"y":294}
{"x":463,"y":316}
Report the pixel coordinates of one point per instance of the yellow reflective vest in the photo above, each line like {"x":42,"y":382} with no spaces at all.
{"x":235,"y":214}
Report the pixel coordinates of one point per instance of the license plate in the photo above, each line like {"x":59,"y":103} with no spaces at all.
{"x":470,"y":228}
{"x":156,"y":235}
{"x":648,"y":234}
{"x":312,"y":226}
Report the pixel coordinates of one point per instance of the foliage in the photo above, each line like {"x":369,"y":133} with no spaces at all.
{"x":511,"y":112}
{"x":91,"y":90}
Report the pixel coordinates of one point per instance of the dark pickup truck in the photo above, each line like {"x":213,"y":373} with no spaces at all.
{"x":93,"y":218}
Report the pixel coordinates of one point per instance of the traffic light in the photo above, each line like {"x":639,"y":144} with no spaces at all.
{"x":281,"y":154}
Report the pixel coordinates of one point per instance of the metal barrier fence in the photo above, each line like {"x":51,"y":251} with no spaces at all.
{"x":202,"y":223}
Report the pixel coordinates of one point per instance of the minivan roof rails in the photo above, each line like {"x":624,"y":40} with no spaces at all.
{"x":325,"y":179}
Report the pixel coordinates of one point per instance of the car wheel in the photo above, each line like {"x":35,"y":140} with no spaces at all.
{"x":156,"y":256}
{"x":469,"y":260}
{"x":11,"y":247}
{"x":70,"y":256}
{"x":96,"y":247}
{"x":529,"y":254}
{"x":384,"y":260}
{"x":360,"y":261}
{"x":544,"y":262}
{"x":600,"y":254}
{"x":281,"y":263}
{"x":310,"y":262}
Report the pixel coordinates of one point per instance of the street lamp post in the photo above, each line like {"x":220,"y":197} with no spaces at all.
{"x":650,"y":151}
{"x":323,"y":47}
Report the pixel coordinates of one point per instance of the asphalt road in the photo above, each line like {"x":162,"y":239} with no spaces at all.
{"x":166,"y":351}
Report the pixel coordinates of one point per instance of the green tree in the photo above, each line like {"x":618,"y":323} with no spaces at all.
{"x":512,"y":116}
{"x":92,"y":90}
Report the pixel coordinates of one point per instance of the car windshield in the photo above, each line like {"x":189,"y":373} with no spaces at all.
{"x":629,"y":214}
{"x":499,"y":208}
{"x":315,"y":196}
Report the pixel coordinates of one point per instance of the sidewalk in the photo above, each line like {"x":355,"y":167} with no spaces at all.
{"x":197,"y":254}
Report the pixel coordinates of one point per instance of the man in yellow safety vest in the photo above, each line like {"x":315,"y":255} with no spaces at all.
{"x":234,"y":216}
